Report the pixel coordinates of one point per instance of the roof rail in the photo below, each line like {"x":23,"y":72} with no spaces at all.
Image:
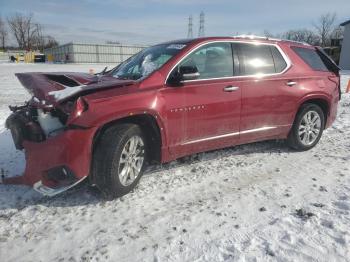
{"x":268,"y":38}
{"x":251,"y":37}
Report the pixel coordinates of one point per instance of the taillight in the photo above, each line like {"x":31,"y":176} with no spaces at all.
{"x":80,"y":106}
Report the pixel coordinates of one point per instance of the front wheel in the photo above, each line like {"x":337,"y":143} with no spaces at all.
{"x":119,"y":160}
{"x":307,"y":128}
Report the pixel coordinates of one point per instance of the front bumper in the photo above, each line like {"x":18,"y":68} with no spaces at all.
{"x":70,"y":150}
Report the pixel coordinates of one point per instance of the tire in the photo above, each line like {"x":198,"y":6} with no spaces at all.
{"x":114,"y":159}
{"x":303,"y":135}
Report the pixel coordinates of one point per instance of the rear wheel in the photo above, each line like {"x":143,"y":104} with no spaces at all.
{"x":119,"y":160}
{"x":307,"y":128}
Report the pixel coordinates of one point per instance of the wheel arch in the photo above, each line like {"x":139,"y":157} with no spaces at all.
{"x":322,"y":101}
{"x":150,"y":126}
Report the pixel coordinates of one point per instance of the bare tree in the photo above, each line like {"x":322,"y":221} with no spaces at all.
{"x":23,"y":29}
{"x":267,"y":33}
{"x":338,"y":32}
{"x":50,"y":42}
{"x":29,"y":34}
{"x":3,"y":33}
{"x":324,"y":27}
{"x":41,"y":41}
{"x":38,"y":41}
{"x":302,"y":35}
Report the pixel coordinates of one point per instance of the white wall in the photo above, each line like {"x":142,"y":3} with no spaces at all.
{"x":345,"y":52}
{"x":92,"y":53}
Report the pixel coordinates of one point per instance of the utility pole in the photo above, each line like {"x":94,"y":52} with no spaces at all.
{"x":190,"y":27}
{"x":201,"y":25}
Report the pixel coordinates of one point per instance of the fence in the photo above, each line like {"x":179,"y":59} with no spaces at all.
{"x":4,"y":56}
{"x":91,"y":53}
{"x":19,"y":55}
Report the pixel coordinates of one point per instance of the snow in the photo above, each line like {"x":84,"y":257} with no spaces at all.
{"x":256,"y":202}
{"x":66,"y":92}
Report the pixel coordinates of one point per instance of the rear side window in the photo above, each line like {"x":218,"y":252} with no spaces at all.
{"x":311,"y":57}
{"x":280,"y":63}
{"x":260,"y":59}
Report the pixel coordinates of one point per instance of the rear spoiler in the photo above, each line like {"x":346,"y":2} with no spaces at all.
{"x":334,"y":67}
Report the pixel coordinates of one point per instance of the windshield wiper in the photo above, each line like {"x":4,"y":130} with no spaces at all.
{"x":98,"y":75}
{"x":103,"y":71}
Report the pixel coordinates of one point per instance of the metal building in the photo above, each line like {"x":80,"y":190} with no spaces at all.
{"x":345,"y":51}
{"x":91,"y":53}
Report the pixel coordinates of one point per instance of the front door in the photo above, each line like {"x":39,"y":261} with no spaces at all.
{"x":204,"y":114}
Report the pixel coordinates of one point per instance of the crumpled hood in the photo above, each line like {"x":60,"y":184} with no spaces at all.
{"x":53,"y":88}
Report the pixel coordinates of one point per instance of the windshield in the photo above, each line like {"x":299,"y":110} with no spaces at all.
{"x":147,"y":61}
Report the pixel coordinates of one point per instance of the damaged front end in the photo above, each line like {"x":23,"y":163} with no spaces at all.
{"x":57,"y":151}
{"x":56,"y":158}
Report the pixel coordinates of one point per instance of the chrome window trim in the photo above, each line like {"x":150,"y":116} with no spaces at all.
{"x":285,"y":57}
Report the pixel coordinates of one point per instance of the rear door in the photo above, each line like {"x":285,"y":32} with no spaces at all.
{"x":268,"y":100}
{"x":203,"y":114}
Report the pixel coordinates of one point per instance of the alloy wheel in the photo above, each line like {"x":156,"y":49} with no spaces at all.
{"x":131,"y":160}
{"x":309,"y":128}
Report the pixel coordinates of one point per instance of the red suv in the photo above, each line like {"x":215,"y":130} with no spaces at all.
{"x":168,"y":101}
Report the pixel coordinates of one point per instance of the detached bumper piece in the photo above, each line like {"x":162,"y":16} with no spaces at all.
{"x":48,"y":191}
{"x":58,"y":180}
{"x":55,"y":181}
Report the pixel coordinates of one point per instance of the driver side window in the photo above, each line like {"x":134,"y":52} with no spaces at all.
{"x":212,"y":61}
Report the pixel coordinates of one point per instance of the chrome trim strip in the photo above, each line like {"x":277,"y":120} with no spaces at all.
{"x":285,"y":57}
{"x":210,"y":138}
{"x":259,"y":129}
{"x":265,"y":128}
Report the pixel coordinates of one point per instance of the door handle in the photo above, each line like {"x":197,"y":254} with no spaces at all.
{"x":291,"y":83}
{"x":231,"y":88}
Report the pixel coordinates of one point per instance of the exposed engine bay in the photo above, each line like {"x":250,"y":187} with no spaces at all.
{"x":55,"y":98}
{"x":35,"y":124}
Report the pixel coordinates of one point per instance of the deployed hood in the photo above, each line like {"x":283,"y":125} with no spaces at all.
{"x":52,"y":88}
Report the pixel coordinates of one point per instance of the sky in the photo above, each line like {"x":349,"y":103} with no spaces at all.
{"x":153,"y":21}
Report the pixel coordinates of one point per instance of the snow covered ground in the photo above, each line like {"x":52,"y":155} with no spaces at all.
{"x":257,"y":202}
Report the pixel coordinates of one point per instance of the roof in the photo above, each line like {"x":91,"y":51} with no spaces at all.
{"x":345,"y":23}
{"x":252,"y":38}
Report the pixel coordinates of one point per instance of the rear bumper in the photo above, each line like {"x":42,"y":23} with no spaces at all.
{"x":69,"y":151}
{"x":332,"y":112}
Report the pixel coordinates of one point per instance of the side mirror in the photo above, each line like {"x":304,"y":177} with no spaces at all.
{"x":183,"y":73}
{"x":189,"y":73}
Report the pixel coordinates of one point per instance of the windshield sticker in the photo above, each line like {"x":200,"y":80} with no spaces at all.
{"x":176,"y":46}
